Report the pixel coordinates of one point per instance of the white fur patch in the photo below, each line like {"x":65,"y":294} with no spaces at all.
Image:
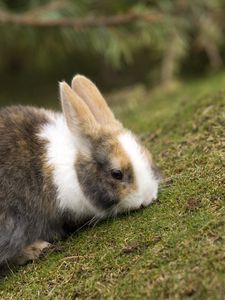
{"x":61,"y":154}
{"x":146,"y":182}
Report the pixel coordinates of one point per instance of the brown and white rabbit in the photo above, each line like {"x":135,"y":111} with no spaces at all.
{"x":58,"y":170}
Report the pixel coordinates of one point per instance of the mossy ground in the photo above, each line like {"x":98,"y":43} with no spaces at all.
{"x":174,"y":249}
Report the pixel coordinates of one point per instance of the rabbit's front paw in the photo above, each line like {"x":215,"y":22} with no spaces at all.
{"x":32,"y":252}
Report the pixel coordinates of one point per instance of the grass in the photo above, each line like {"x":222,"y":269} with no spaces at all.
{"x":174,"y":249}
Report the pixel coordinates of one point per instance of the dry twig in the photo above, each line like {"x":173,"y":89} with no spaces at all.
{"x":34,"y":20}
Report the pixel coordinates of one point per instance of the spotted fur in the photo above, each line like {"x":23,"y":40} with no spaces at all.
{"x":27,"y":195}
{"x":55,"y":170}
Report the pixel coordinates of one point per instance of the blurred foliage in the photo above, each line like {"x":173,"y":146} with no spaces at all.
{"x":189,"y":29}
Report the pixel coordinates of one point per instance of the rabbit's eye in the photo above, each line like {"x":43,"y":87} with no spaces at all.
{"x":117,"y":174}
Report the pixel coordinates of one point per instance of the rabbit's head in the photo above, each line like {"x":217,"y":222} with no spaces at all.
{"x":116,"y":173}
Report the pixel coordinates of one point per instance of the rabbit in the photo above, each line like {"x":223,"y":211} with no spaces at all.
{"x":60,"y":170}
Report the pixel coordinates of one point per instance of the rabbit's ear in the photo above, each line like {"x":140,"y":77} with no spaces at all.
{"x":88,"y":91}
{"x":78,"y":116}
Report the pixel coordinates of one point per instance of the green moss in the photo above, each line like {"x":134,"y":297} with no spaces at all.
{"x":173,"y":249}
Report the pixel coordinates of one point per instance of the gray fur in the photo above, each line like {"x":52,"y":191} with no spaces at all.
{"x":27,"y":196}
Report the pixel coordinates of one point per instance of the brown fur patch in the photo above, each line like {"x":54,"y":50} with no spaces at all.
{"x":47,"y":170}
{"x":118,"y":156}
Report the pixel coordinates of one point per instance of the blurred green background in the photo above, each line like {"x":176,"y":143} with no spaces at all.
{"x":152,"y":59}
{"x":116,"y":43}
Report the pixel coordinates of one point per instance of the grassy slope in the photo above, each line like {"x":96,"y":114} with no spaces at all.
{"x":173,"y":249}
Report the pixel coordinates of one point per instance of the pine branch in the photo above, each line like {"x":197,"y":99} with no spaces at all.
{"x":29,"y":19}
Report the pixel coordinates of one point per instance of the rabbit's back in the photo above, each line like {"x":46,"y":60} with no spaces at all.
{"x":21,"y":151}
{"x":26,"y":192}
